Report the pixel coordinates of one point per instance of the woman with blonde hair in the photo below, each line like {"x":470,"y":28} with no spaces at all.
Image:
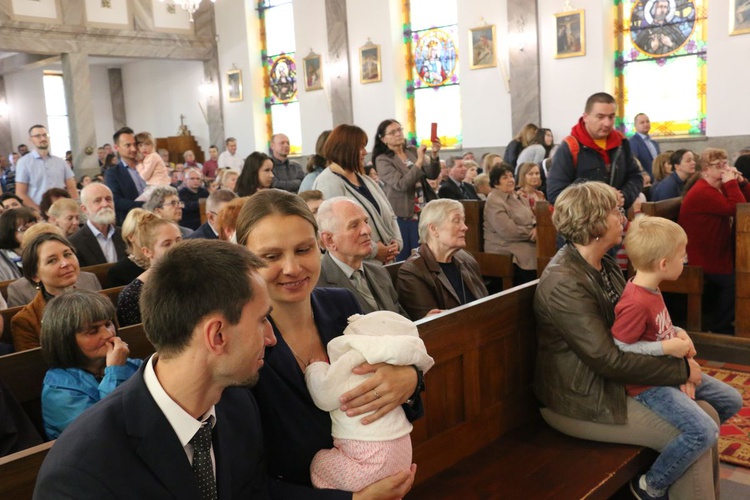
{"x":124,"y":271}
{"x":519,"y":143}
{"x":491,"y":160}
{"x":227,"y":179}
{"x":661,"y":166}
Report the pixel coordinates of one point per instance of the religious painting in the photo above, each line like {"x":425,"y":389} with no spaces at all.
{"x":435,"y":57}
{"x":571,"y":34}
{"x":482,"y":42}
{"x":739,"y":13}
{"x":313,"y":72}
{"x":283,"y":78}
{"x":369,"y":63}
{"x":234,"y":84}
{"x":661,"y":27}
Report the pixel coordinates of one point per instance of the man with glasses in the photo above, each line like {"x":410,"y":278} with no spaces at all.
{"x":98,"y":241}
{"x":191,"y":192}
{"x":39,"y":171}
{"x":287,"y":174}
{"x":165,"y":202}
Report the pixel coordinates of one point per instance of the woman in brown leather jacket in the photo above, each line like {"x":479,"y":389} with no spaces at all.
{"x":580,"y":373}
{"x":439,"y":274}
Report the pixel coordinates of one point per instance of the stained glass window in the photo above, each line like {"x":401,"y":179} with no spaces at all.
{"x":432,"y":90}
{"x":280,"y":66}
{"x":660,"y":65}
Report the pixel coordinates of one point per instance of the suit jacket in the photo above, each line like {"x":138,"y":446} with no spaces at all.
{"x":124,"y":190}
{"x":640,"y":150}
{"x":378,"y":280}
{"x":400,"y":180}
{"x":89,"y":252}
{"x":191,"y":216}
{"x":422,"y":284}
{"x":205,"y":232}
{"x":449,"y":189}
{"x":124,"y":447}
{"x":23,"y":291}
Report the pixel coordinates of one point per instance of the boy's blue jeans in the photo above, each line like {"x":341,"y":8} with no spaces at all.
{"x":699,"y":431}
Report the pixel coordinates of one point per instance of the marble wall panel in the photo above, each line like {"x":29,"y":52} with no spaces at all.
{"x":338,"y":67}
{"x":119,"y":118}
{"x":81,"y":119}
{"x":212,"y":99}
{"x":6,"y":143}
{"x":524,"y":63}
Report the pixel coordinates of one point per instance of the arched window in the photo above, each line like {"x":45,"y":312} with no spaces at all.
{"x":280,"y":66}
{"x":660,"y":65}
{"x":432,"y":90}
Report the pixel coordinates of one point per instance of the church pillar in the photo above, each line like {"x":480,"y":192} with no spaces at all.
{"x":524,"y":63}
{"x":81,"y":120}
{"x":117,"y":97}
{"x":338,"y":66}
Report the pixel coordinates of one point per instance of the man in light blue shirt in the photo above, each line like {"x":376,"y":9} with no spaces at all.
{"x":39,"y":171}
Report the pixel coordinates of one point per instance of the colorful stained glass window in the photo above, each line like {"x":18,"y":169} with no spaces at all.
{"x":660,"y":65}
{"x":278,"y":52}
{"x":433,"y":91}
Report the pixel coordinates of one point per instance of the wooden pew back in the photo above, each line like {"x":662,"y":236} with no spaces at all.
{"x":669,"y":209}
{"x":492,"y":265}
{"x":546,"y":235}
{"x":100,"y":270}
{"x":7,"y":315}
{"x":19,"y":470}
{"x":742,"y":271}
{"x":480,"y":386}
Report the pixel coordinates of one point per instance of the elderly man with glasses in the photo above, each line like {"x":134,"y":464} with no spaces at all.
{"x":165,"y":202}
{"x":191,"y":192}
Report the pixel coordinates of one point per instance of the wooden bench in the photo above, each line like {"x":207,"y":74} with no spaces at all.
{"x":742,"y":271}
{"x":100,"y":270}
{"x":112,"y":294}
{"x":482,"y":436}
{"x":492,"y":265}
{"x":689,"y":284}
{"x":7,"y":315}
{"x":19,"y":470}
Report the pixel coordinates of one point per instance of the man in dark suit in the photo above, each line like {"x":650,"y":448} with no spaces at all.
{"x":123,"y":179}
{"x":215,"y":202}
{"x":641,"y":144}
{"x":190,"y":194}
{"x":98,"y":241}
{"x":186,"y":424}
{"x":346,"y":235}
{"x":454,"y":186}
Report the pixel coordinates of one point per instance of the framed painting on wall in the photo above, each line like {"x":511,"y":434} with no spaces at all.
{"x":482,"y":40}
{"x":313,"y":67}
{"x":739,"y":17}
{"x":571,"y":34}
{"x":369,"y":63}
{"x":234,"y":84}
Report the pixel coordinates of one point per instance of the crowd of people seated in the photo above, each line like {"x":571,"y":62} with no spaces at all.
{"x":322,"y":239}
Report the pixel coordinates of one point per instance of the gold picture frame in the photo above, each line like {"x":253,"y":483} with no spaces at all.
{"x":234,"y":85}
{"x":570,"y":31}
{"x":739,"y":17}
{"x":313,"y":67}
{"x":483,"y":43}
{"x":369,"y":63}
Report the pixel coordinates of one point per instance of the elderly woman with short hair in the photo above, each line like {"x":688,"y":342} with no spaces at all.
{"x":580,"y":372}
{"x":165,"y":202}
{"x":87,"y":360}
{"x":510,"y":225}
{"x":65,"y":214}
{"x":440,"y":274}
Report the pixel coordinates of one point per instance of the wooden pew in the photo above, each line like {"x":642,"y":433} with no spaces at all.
{"x":482,"y":436}
{"x":7,"y":315}
{"x":101,"y":271}
{"x":492,"y":265}
{"x":4,"y":288}
{"x":690,"y":282}
{"x":202,"y":210}
{"x":19,"y":470}
{"x":112,"y":294}
{"x":742,"y":271}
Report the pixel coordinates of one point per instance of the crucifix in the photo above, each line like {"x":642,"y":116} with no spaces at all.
{"x":183,"y":128}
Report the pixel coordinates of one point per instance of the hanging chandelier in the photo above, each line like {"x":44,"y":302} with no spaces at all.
{"x":189,"y":5}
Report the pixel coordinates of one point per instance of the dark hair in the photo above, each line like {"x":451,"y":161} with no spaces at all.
{"x":213,"y":146}
{"x":123,"y":130}
{"x":8,"y":196}
{"x":380,"y":147}
{"x":318,"y":160}
{"x":9,"y":224}
{"x":229,"y":139}
{"x":177,"y":295}
{"x":676,"y":157}
{"x":370,"y":168}
{"x":599,"y":97}
{"x":66,"y":315}
{"x":270,"y":202}
{"x":344,"y":145}
{"x":108,"y":161}
{"x":539,"y":138}
{"x":33,"y":127}
{"x":47,"y":200}
{"x":247,"y":182}
{"x":743,"y":165}
{"x":30,"y":257}
{"x":496,"y":173}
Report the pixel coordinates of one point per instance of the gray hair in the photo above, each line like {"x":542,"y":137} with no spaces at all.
{"x":61,"y":206}
{"x":451,"y":161}
{"x":435,"y":213}
{"x":158,"y":196}
{"x":327,"y":220}
{"x":470,"y":164}
{"x":85,"y":191}
{"x":218,"y":197}
{"x":482,"y":180}
{"x":67,"y":314}
{"x":192,"y":169}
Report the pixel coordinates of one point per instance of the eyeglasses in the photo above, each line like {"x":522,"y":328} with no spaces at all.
{"x":173,"y":204}
{"x":395,"y":131}
{"x":25,"y":227}
{"x":40,"y":136}
{"x":718,"y":163}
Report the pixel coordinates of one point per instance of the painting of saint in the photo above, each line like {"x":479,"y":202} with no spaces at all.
{"x":483,"y":47}
{"x":313,"y":72}
{"x":741,"y":18}
{"x":284,"y":78}
{"x":369,"y":60}
{"x":661,"y":27}
{"x":570,"y":34}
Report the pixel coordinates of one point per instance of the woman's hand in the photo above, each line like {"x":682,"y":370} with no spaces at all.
{"x":436,"y":148}
{"x":117,"y":352}
{"x":390,"y":488}
{"x":433,"y":312}
{"x":387,"y":254}
{"x":421,"y":151}
{"x":388,"y":388}
{"x":532,"y":235}
{"x":728,"y":174}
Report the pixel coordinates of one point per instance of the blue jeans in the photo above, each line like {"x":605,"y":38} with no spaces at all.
{"x":698,"y":431}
